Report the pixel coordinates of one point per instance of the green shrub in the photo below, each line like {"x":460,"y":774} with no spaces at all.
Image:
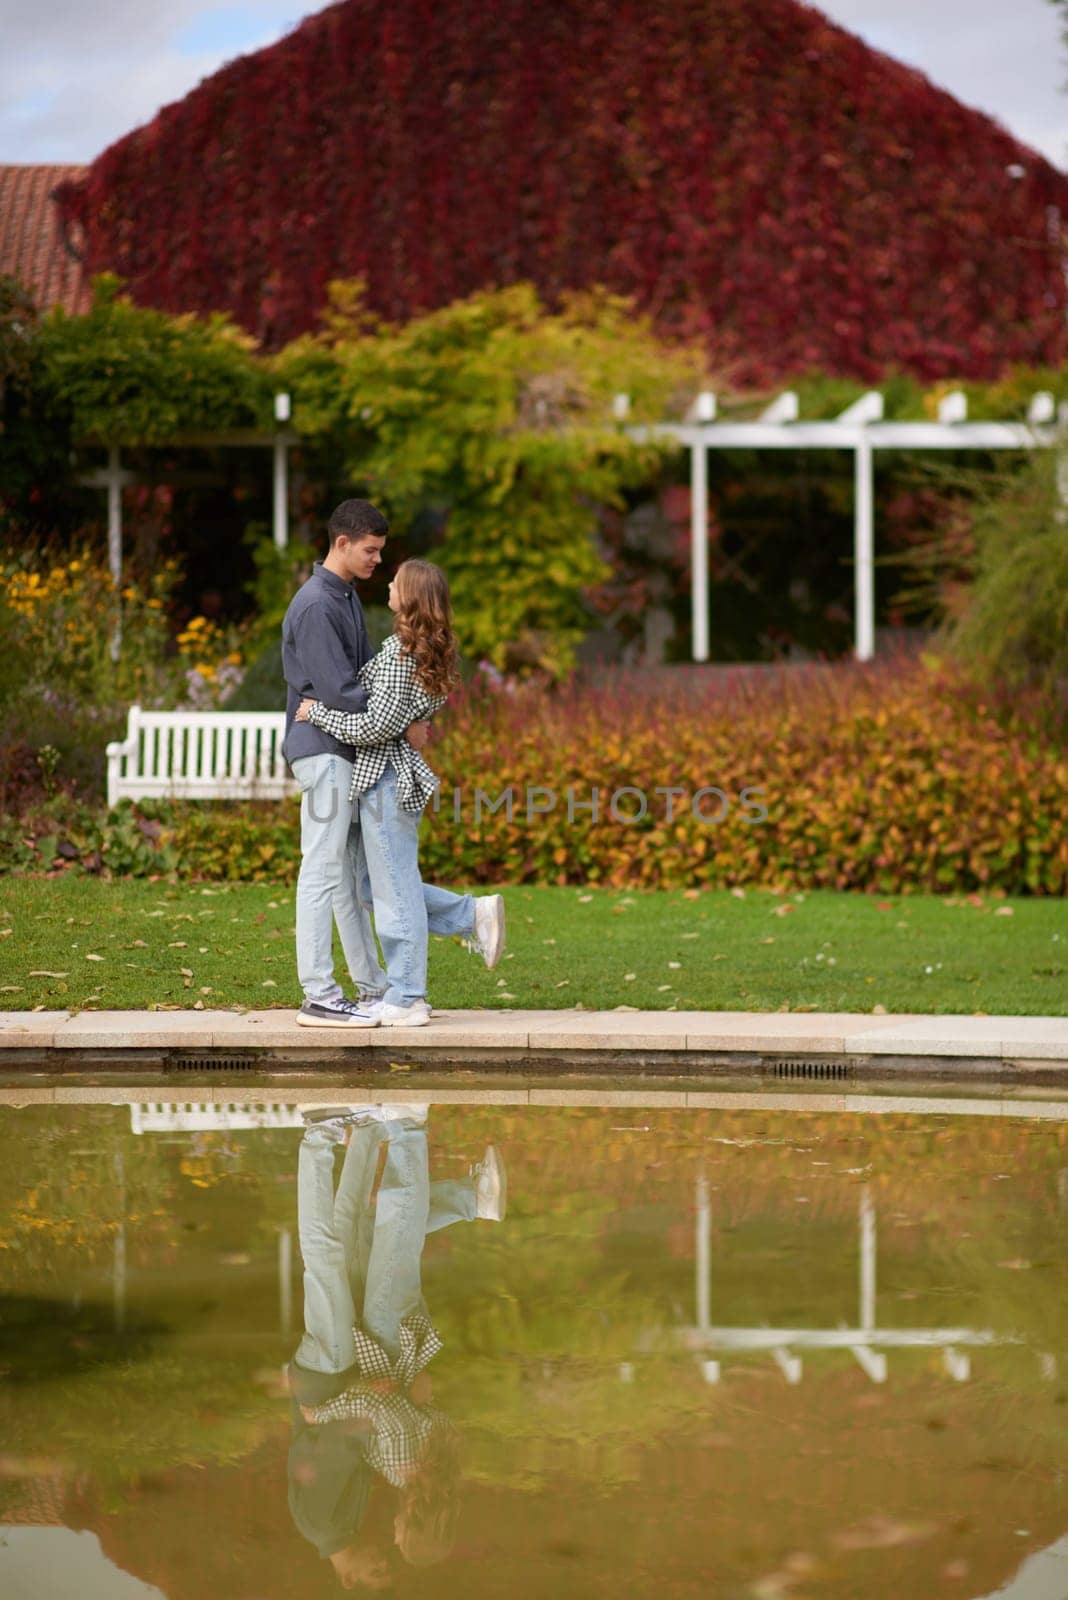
{"x":1012,"y":626}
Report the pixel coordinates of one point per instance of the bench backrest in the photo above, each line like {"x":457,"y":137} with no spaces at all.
{"x":200,"y":755}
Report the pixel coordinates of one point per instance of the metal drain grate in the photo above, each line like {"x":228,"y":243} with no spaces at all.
{"x":799,"y":1067}
{"x":211,"y":1064}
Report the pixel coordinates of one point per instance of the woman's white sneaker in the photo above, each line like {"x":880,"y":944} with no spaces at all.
{"x":491,"y":1187}
{"x":487,"y":937}
{"x":417,"y":1015}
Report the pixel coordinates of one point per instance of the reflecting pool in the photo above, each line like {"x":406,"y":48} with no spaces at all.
{"x":478,"y":1350}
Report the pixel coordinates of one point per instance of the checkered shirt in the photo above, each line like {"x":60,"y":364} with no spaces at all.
{"x":400,"y":1430}
{"x":394,"y":700}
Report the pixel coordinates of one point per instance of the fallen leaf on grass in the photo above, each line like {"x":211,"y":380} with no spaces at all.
{"x":629,"y":977}
{"x":769,"y":940}
{"x":10,"y":988}
{"x":739,"y":894}
{"x":1016,"y":1265}
{"x":5,"y":933}
{"x":90,"y":956}
{"x":781,"y":911}
{"x":42,"y":972}
{"x":268,"y":983}
{"x":691,"y":894}
{"x":1004,"y":911}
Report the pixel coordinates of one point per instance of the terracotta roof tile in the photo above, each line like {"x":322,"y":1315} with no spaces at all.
{"x":32,"y":248}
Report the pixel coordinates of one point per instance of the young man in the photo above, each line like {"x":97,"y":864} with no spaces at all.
{"x":324,"y":646}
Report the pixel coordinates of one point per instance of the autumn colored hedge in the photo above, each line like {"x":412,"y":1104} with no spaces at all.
{"x":880,"y":780}
{"x":753,"y":175}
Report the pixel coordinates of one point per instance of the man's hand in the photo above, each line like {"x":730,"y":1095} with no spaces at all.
{"x":418,"y":735}
{"x":303,"y":709}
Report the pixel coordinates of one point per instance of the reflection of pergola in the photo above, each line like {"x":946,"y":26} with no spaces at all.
{"x":866,"y":1342}
{"x":861,"y":429}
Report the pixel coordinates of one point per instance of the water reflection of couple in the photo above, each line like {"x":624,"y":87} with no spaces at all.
{"x":361,"y":1396}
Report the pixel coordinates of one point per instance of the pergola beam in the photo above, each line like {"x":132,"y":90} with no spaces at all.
{"x":860,"y":428}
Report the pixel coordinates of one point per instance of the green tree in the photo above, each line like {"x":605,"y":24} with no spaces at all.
{"x":499,"y":414}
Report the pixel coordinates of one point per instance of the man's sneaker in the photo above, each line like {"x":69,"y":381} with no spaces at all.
{"x":417,"y":1015}
{"x":487,"y":938}
{"x":491,"y":1188}
{"x":339,"y":1013}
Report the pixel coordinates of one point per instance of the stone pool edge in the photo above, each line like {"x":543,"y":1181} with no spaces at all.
{"x":805,"y":1044}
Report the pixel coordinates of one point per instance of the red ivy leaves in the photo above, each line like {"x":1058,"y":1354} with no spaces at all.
{"x":753,"y":175}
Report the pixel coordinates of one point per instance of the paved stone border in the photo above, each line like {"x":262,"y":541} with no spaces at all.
{"x":1035,"y":1041}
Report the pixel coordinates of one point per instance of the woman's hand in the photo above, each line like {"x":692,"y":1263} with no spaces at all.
{"x":303,"y":709}
{"x":421,"y":1389}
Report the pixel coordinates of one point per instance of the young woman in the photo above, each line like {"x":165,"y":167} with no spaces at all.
{"x":407,"y":681}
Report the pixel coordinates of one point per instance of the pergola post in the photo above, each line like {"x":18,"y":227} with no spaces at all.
{"x":281,"y":475}
{"x":116,"y":478}
{"x":863,"y":551}
{"x":704,"y":412}
{"x":699,"y":546}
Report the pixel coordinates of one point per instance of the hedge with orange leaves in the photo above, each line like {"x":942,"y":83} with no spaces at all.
{"x":885,"y":780}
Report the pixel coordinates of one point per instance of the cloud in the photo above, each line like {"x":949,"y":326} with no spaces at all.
{"x":75,"y":75}
{"x":1007,"y":60}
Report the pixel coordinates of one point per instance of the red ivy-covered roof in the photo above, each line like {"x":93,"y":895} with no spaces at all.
{"x":753,"y":174}
{"x":32,"y":244}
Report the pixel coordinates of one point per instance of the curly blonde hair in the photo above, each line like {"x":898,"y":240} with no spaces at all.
{"x":424,"y":624}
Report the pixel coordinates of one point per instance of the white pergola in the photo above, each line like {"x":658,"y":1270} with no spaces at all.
{"x":114,"y":478}
{"x":859,"y":428}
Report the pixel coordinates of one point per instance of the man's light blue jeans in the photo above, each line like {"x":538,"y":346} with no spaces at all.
{"x":406,"y":908}
{"x":361,"y":1266}
{"x":333,"y":884}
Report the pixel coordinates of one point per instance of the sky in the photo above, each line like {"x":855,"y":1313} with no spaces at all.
{"x":77,"y":74}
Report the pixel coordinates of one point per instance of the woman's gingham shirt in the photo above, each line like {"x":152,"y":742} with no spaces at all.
{"x":394,"y":699}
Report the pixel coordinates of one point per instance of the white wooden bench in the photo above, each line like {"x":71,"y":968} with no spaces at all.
{"x":199,"y":755}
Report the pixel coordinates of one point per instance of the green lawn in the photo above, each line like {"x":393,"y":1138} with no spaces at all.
{"x":75,"y":942}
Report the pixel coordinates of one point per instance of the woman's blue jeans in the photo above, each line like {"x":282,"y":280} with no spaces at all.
{"x":406,"y":908}
{"x":363,"y":1266}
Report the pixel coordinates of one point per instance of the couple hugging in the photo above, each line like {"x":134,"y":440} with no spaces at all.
{"x":356,"y":726}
